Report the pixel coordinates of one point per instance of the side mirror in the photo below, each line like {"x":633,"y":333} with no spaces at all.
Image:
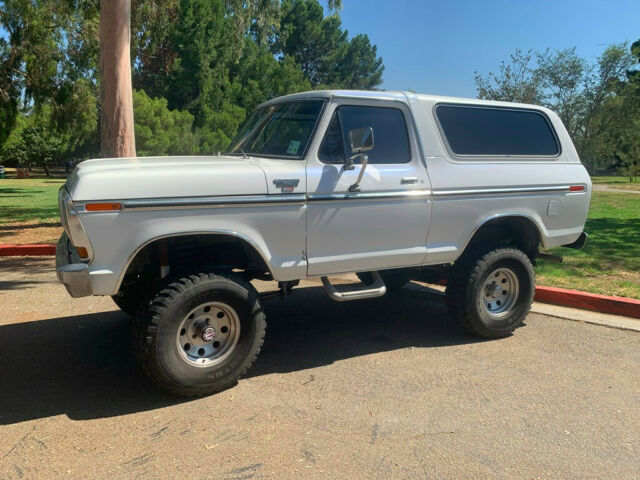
{"x":361,"y":139}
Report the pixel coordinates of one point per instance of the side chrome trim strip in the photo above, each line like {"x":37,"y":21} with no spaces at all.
{"x":212,"y":202}
{"x":256,"y":200}
{"x":301,"y":199}
{"x":497,"y":191}
{"x":327,"y":197}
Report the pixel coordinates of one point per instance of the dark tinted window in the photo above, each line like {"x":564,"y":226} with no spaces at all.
{"x":496,"y":131}
{"x":391,"y":141}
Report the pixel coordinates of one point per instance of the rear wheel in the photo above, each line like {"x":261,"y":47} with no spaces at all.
{"x":393,"y":279}
{"x":201,"y":333}
{"x":490,"y":290}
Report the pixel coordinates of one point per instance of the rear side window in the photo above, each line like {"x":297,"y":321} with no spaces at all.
{"x":391,"y":140}
{"x":471,"y":130}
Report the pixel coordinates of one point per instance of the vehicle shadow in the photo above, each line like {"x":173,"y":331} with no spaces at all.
{"x":83,"y":366}
{"x":26,"y":268}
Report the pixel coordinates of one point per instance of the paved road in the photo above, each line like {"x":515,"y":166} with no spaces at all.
{"x":386,"y":388}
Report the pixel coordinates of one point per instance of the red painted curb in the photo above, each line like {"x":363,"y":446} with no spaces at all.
{"x":27,"y":250}
{"x":628,"y":307}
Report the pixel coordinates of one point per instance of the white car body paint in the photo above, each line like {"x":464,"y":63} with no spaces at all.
{"x":317,"y":227}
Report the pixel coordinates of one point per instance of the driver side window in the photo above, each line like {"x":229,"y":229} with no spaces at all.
{"x":391,"y":140}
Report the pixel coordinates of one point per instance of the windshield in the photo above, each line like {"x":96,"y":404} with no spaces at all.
{"x":278,"y":130}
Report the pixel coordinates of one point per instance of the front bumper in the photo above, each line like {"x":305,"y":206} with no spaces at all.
{"x":71,"y":272}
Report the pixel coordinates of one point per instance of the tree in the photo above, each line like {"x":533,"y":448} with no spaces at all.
{"x":160,"y":131}
{"x":628,"y":151}
{"x":33,"y":142}
{"x":116,"y":126}
{"x":516,"y":81}
{"x":619,"y":121}
{"x":322,"y":49}
{"x":600,"y":84}
{"x":216,"y":59}
{"x":360,"y":67}
{"x":48,"y":55}
{"x":314,"y":41}
{"x":561,"y":73}
{"x":152,"y":22}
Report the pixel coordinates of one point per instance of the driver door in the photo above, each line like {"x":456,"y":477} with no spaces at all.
{"x":385,"y":223}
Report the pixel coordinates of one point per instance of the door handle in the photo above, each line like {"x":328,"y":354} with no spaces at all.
{"x":409,"y":180}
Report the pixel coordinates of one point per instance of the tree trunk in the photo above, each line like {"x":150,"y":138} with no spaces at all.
{"x":116,"y":127}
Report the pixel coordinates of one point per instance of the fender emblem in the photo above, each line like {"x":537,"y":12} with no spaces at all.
{"x":286,"y":185}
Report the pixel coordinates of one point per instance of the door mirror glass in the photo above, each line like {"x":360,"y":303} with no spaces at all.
{"x":361,"y":139}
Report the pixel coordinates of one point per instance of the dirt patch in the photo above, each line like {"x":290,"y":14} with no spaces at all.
{"x":30,"y":232}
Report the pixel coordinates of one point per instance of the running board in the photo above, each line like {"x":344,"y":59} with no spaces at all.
{"x":377,"y":289}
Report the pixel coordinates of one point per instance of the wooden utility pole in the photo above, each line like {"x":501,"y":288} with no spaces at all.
{"x":116,"y":128}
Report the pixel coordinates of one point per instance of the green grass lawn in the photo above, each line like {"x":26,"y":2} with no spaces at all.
{"x":608,"y":264}
{"x":617,"y":182}
{"x":29,"y":200}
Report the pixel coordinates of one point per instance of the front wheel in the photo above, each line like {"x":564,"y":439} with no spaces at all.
{"x":490,"y":291}
{"x":201,"y":333}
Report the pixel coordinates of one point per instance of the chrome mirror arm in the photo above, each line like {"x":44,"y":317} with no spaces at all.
{"x":365,"y":160}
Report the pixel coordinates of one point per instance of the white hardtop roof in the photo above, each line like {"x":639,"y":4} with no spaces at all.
{"x":394,"y":95}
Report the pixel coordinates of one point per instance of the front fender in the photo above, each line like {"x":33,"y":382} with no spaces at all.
{"x":277,"y":233}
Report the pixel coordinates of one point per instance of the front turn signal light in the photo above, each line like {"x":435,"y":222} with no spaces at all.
{"x":82,"y":252}
{"x":102,"y":207}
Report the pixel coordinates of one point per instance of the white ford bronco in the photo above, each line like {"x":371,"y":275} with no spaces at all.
{"x":391,"y":186}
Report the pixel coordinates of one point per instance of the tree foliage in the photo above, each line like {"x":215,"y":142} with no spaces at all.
{"x":322,"y":49}
{"x":213,"y":59}
{"x":160,"y":131}
{"x":33,"y":142}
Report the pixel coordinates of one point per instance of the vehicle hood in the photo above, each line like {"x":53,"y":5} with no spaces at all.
{"x":165,"y":177}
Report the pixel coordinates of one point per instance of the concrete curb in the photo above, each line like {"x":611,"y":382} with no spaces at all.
{"x":586,"y":316}
{"x":27,"y":250}
{"x":627,"y":307}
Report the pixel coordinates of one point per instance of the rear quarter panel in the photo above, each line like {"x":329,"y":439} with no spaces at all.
{"x":468,"y":192}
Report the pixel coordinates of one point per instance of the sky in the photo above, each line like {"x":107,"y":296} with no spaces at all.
{"x":435,"y":46}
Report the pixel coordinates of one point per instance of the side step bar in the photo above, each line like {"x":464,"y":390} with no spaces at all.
{"x":377,"y":289}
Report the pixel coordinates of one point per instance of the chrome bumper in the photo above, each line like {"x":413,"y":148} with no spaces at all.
{"x":71,"y":272}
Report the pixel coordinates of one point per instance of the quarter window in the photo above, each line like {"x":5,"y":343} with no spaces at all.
{"x":391,"y":140}
{"x":472,"y":130}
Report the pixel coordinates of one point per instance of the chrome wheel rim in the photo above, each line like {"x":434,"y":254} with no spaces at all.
{"x":208,"y":334}
{"x":500,"y":292}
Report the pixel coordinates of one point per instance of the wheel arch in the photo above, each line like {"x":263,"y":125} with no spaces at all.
{"x":233,"y":236}
{"x":523,"y":229}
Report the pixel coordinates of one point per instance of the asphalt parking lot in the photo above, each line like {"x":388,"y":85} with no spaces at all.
{"x":385,"y":388}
